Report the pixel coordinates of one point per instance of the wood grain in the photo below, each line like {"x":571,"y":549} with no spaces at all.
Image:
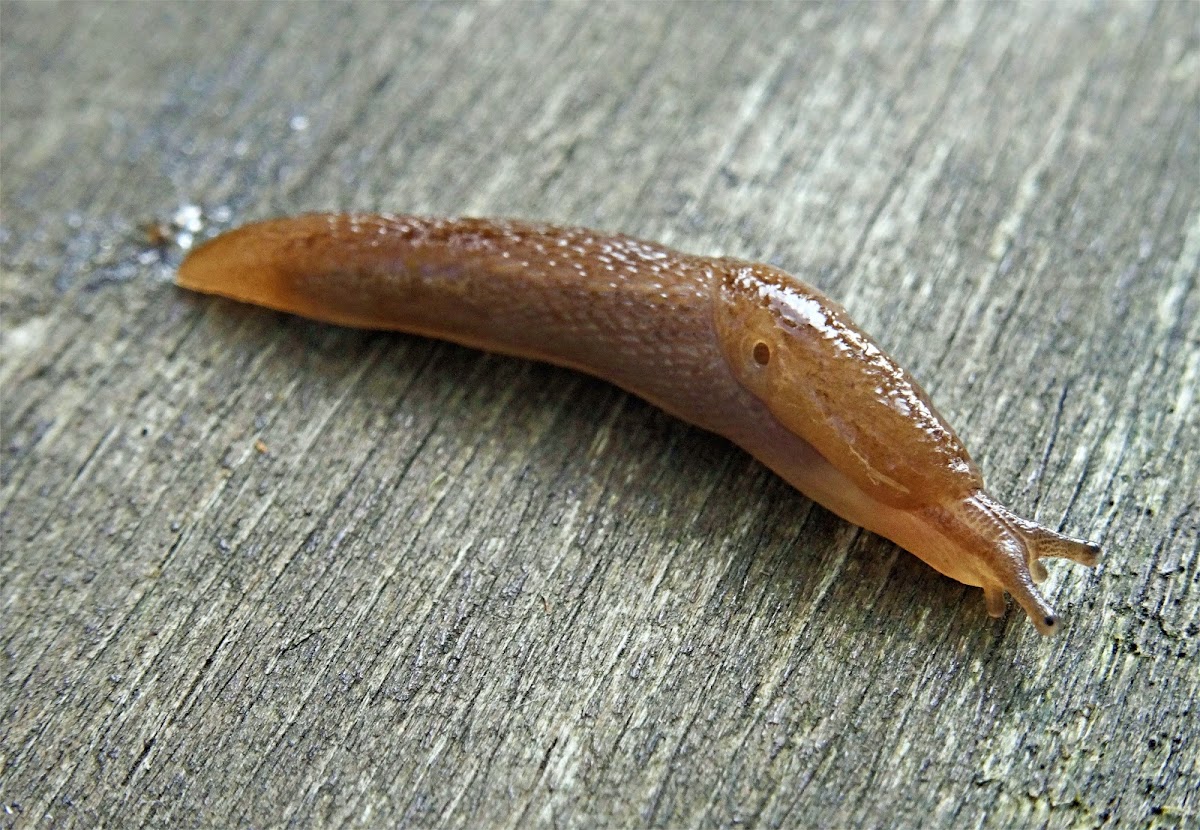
{"x":257,"y":571}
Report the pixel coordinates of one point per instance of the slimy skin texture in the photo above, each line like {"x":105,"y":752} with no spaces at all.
{"x":738,"y":348}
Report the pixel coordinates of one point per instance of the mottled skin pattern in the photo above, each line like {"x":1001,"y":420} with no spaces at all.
{"x":738,"y":348}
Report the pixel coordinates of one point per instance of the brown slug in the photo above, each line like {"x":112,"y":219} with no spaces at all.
{"x":742,"y":349}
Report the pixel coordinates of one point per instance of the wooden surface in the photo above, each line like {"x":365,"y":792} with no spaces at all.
{"x":258,"y":571}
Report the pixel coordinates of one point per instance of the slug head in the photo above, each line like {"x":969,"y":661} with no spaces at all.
{"x":980,"y":542}
{"x":898,"y":468}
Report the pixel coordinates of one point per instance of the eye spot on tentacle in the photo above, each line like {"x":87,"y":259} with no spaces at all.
{"x":761,"y":353}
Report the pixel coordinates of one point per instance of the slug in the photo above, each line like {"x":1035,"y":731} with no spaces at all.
{"x":742,"y":349}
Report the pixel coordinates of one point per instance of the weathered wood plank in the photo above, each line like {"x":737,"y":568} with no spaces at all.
{"x":258,"y":571}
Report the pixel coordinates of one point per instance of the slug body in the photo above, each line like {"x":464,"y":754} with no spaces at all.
{"x":742,"y":349}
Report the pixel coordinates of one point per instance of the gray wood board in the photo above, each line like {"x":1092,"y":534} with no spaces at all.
{"x":258,"y":571}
